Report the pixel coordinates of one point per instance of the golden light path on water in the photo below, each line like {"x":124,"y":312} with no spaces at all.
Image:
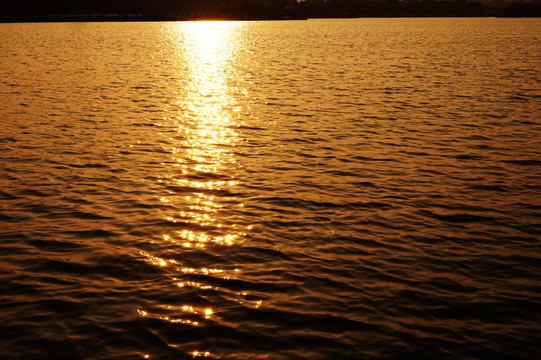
{"x":205,"y":116}
{"x":207,"y":126}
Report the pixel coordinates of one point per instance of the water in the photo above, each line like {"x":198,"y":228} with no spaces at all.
{"x":323,"y":189}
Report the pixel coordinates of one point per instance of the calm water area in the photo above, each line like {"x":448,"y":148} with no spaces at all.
{"x":321,"y":189}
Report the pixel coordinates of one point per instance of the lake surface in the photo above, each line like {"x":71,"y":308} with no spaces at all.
{"x":322,"y":189}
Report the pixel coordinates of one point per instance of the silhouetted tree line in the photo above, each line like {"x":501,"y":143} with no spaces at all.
{"x":73,"y":10}
{"x":393,"y":8}
{"x":522,"y":10}
{"x":152,"y":9}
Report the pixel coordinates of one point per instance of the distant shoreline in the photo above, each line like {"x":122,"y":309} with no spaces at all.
{"x":128,"y":18}
{"x":300,"y":11}
{"x":90,"y":18}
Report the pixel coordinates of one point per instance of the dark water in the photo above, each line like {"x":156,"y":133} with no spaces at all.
{"x":331,"y":189}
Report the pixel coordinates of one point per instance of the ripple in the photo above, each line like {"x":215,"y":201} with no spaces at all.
{"x":327,"y":189}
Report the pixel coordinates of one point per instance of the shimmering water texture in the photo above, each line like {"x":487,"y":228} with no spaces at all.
{"x":330,"y":189}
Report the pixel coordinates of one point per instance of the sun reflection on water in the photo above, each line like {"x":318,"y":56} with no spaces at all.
{"x":206,"y":121}
{"x":209,"y":109}
{"x":205,"y":116}
{"x":200,"y":353}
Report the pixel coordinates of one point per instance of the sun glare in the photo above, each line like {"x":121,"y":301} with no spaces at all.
{"x":205,"y":115}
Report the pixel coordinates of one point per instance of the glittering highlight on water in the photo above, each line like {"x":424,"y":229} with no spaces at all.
{"x":327,"y":189}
